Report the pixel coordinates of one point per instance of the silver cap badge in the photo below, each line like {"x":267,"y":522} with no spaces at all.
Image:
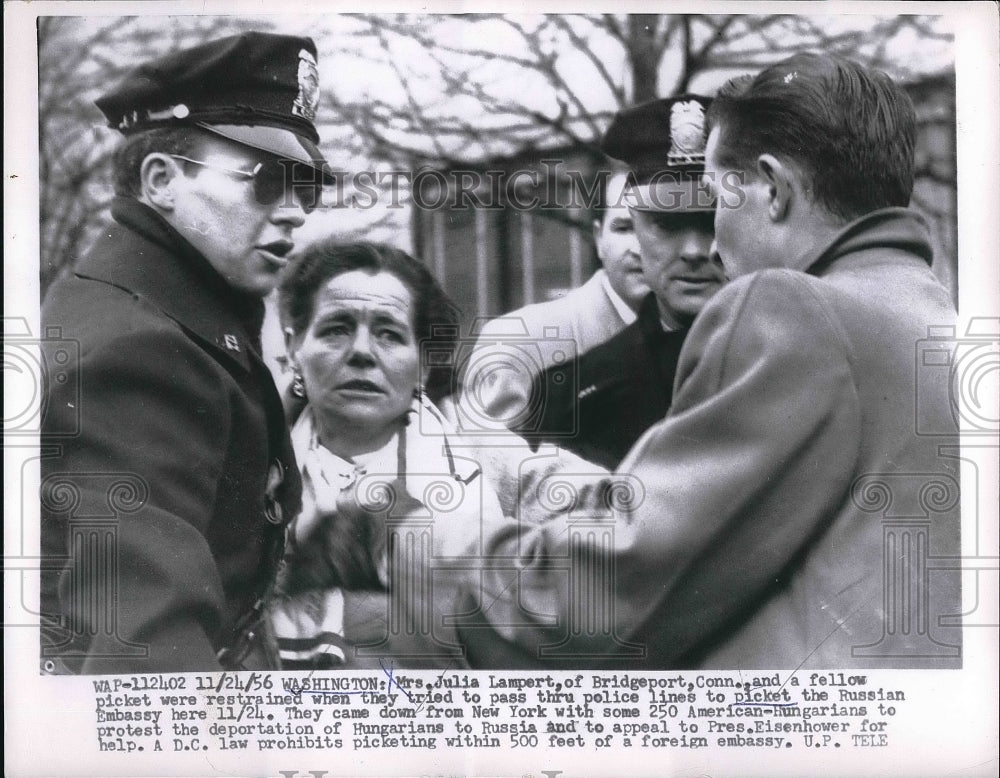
{"x":307,"y":101}
{"x":687,"y":133}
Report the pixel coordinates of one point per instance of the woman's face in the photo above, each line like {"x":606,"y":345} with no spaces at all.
{"x":358,"y":357}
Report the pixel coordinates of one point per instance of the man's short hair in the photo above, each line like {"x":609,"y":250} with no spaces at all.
{"x":181,"y":140}
{"x":849,"y":129}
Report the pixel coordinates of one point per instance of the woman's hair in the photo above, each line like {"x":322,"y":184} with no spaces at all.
{"x":435,"y":316}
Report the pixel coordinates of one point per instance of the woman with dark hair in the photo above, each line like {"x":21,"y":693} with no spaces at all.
{"x":356,"y":317}
{"x":374,"y":451}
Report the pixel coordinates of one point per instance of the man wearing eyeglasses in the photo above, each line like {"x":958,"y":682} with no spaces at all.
{"x":169,"y":477}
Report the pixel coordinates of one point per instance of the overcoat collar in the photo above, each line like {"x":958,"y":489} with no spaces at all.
{"x":144,"y":255}
{"x":663,"y":345}
{"x":651,"y":324}
{"x":649,"y":319}
{"x":900,"y":229}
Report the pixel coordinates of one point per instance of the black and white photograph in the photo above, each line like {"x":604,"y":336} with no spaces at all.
{"x":503,"y":391}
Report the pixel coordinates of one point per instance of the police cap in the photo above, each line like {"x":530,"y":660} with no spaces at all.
{"x":663,"y":144}
{"x":257,"y":89}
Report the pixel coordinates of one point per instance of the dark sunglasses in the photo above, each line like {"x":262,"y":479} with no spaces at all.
{"x":273,"y":179}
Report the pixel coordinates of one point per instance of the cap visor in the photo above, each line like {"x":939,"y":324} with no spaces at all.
{"x":282,"y":143}
{"x":684,"y":196}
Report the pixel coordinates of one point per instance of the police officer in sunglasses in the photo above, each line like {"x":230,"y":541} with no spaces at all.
{"x":165,"y":424}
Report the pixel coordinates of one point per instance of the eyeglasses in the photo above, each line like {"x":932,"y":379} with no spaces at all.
{"x":273,"y":179}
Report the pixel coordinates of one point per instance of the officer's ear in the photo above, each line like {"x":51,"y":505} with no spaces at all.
{"x":157,"y":174}
{"x":780,"y":180}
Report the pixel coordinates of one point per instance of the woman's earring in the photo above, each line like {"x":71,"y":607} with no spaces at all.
{"x":418,"y":391}
{"x":298,"y":385}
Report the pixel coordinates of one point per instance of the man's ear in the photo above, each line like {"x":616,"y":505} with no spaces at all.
{"x":779,"y":179}
{"x":156,"y":180}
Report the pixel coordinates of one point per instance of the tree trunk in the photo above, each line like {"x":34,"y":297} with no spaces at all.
{"x":644,"y":55}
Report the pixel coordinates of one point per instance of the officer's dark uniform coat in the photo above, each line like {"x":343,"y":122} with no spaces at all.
{"x":179,"y":445}
{"x":601,"y":402}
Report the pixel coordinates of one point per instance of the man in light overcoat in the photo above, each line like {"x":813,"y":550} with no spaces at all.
{"x":790,"y":510}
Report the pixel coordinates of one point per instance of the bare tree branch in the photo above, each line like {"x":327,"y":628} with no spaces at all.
{"x":583,"y":46}
{"x":451,"y":100}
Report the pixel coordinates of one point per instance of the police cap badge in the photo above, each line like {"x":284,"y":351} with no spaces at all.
{"x":663,"y":144}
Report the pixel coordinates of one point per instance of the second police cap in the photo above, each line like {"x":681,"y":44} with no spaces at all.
{"x":663,"y":144}
{"x":257,"y":89}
